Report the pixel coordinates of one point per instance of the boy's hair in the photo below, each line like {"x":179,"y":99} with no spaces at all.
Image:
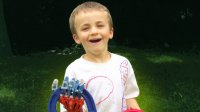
{"x":85,"y":7}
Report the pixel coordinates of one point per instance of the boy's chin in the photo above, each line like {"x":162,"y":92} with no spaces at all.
{"x":97,"y":52}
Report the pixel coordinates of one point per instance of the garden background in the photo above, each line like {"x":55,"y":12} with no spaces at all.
{"x":160,"y":38}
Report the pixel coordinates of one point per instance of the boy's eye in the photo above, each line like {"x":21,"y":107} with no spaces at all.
{"x":100,"y":26}
{"x":85,"y":29}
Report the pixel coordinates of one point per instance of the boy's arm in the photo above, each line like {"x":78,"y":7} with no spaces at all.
{"x":132,"y":104}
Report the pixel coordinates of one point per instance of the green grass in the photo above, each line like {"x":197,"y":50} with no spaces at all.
{"x":168,"y":81}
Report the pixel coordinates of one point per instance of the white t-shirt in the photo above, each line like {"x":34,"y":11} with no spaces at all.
{"x":109,"y":83}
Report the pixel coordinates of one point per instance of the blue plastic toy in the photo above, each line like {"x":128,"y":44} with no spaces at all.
{"x":72,"y":95}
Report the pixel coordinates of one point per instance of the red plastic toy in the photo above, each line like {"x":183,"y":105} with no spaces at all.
{"x":72,"y":104}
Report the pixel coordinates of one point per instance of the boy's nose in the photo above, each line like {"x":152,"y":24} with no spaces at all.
{"x":94,"y":31}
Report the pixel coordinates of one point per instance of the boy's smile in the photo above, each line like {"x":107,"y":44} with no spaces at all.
{"x":95,"y":40}
{"x":93,"y":31}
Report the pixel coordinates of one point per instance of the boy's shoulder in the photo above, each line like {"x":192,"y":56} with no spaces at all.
{"x":118,"y":56}
{"x":76,"y":61}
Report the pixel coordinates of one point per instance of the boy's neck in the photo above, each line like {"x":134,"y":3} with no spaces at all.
{"x":101,"y":58}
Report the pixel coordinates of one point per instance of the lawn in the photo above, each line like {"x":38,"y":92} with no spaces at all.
{"x":168,"y":81}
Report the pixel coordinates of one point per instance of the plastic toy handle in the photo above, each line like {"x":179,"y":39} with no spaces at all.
{"x":53,"y":100}
{"x":89,"y":101}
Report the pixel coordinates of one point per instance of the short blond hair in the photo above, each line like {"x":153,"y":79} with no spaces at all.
{"x":84,"y":7}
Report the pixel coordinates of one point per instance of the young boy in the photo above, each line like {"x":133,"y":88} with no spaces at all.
{"x":107,"y":76}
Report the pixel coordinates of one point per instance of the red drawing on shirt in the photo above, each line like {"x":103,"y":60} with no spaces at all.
{"x":105,"y":80}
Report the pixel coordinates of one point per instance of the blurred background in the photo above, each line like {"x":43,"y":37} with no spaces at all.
{"x":160,"y":38}
{"x":37,"y":25}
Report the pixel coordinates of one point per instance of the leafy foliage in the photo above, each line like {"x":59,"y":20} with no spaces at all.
{"x":168,"y":81}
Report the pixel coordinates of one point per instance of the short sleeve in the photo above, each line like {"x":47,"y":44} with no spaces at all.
{"x":131,"y":86}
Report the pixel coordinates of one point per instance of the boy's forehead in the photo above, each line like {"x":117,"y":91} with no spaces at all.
{"x":89,"y":10}
{"x":90,"y":13}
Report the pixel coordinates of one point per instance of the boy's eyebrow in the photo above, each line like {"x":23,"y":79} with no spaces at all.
{"x":99,"y":22}
{"x":87,"y":24}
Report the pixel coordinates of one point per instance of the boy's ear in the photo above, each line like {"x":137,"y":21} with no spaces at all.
{"x":111,"y":33}
{"x":76,"y":39}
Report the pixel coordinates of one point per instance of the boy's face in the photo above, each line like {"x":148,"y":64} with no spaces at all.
{"x":93,"y":31}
